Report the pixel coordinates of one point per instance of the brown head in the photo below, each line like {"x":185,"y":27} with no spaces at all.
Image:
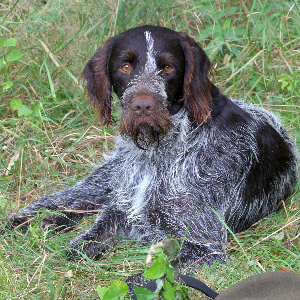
{"x":155,"y":72}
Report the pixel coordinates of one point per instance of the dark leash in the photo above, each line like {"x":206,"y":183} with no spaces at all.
{"x":198,"y":285}
{"x":188,"y":281}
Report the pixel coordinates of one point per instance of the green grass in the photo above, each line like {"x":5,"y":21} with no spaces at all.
{"x":254,"y":47}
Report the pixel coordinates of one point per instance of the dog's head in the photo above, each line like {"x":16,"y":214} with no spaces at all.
{"x":155,"y":72}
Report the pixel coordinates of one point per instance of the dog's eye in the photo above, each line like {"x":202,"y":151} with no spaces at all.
{"x":126,"y":68}
{"x":168,"y":68}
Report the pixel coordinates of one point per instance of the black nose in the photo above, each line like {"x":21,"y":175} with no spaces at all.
{"x":142,"y":105}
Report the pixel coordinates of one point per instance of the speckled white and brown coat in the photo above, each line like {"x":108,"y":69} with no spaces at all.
{"x":187,"y":161}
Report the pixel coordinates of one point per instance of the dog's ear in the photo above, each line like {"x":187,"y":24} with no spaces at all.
{"x":196,"y":88}
{"x":97,"y":81}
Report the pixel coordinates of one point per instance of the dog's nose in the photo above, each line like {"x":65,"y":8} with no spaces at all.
{"x":142,"y":106}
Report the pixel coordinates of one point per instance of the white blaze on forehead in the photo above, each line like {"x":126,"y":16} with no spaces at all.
{"x":150,"y":64}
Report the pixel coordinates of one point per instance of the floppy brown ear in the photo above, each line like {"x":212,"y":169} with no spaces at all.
{"x":196,"y":87}
{"x":98,"y":85}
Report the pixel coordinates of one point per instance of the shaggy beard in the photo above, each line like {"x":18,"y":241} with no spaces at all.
{"x":145,"y":132}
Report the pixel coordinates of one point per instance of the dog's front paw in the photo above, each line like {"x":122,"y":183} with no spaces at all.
{"x":58,"y":222}
{"x":17,"y":222}
{"x":83,"y":249}
{"x":88,"y":245}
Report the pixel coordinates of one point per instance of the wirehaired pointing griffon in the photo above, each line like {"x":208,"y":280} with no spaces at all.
{"x":187,"y":155}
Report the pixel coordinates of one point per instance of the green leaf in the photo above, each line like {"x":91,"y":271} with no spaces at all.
{"x":15,"y":104}
{"x":230,"y":10}
{"x":1,"y":41}
{"x":144,"y":294}
{"x":181,"y":291}
{"x":207,"y":6}
{"x":279,"y":236}
{"x":10,"y":42}
{"x":168,"y":292}
{"x":2,"y":201}
{"x":284,"y":83}
{"x":121,"y":285}
{"x":159,"y":285}
{"x":7,"y":85}
{"x":157,"y":269}
{"x":171,"y":247}
{"x":219,"y":15}
{"x":239,"y":32}
{"x":36,"y":109}
{"x":2,"y":63}
{"x":14,"y":55}
{"x":24,"y":111}
{"x":204,"y":34}
{"x":170,"y":272}
{"x":112,"y":293}
{"x":158,"y":250}
{"x":101,"y":291}
{"x":226,"y":24}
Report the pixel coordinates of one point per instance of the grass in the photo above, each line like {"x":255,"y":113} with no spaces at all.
{"x":254,"y":47}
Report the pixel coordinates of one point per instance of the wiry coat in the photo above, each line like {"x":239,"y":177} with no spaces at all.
{"x":188,"y":158}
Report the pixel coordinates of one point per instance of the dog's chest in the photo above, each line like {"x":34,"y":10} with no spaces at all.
{"x":142,"y":180}
{"x":178,"y":172}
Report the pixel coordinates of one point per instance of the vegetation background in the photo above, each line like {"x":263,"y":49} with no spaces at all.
{"x":50,"y":138}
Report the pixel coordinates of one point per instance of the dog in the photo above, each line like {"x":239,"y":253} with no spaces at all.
{"x":188,"y":162}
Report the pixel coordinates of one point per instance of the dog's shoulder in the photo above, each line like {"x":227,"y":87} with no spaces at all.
{"x":228,"y":113}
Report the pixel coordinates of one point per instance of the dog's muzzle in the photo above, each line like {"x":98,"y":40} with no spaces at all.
{"x":145,"y":116}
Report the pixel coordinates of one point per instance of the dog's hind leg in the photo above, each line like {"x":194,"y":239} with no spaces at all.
{"x":204,"y":235}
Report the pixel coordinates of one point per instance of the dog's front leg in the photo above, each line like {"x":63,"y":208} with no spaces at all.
{"x":108,"y":229}
{"x":70,"y":205}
